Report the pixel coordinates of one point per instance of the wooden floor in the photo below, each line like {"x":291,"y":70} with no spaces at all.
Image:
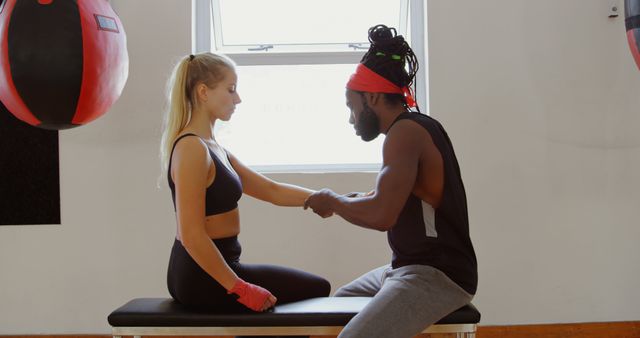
{"x":578,"y":330}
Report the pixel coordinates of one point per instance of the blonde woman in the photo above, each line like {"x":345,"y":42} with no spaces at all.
{"x":206,"y":182}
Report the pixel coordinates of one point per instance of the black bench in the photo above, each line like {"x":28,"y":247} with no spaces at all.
{"x":317,"y":316}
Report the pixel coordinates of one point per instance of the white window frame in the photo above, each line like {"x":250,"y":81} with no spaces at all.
{"x":202,"y":42}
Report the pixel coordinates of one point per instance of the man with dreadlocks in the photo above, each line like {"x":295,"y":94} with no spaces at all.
{"x":419,"y":200}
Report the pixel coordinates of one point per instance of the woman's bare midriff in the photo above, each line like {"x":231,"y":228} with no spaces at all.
{"x":223,"y":225}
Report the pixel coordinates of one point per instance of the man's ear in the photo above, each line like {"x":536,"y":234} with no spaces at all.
{"x":374,"y":99}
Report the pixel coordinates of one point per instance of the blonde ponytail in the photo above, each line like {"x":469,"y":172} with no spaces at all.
{"x":178,"y":111}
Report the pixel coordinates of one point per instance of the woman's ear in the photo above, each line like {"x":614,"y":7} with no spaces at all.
{"x":201,"y":92}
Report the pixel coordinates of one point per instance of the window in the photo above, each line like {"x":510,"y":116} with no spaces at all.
{"x":287,"y":25}
{"x":294,"y":58}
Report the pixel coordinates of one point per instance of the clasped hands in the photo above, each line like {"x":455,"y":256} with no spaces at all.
{"x":322,"y":201}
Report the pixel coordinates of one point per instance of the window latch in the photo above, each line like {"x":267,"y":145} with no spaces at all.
{"x":357,"y":46}
{"x":261,"y":47}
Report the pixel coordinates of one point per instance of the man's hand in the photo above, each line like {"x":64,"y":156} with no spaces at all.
{"x":320,"y":202}
{"x":359,"y":194}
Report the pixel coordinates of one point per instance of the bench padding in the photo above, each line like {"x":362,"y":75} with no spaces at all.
{"x":327,"y":311}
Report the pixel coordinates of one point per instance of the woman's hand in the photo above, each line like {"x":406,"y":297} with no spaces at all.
{"x":253,"y":296}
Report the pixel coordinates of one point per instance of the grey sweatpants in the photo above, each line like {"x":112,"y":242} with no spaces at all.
{"x":405,"y":301}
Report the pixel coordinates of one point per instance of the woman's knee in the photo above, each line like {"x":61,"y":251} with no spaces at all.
{"x":322,"y":287}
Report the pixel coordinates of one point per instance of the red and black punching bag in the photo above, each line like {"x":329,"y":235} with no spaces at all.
{"x":632,"y":23}
{"x":63,"y":63}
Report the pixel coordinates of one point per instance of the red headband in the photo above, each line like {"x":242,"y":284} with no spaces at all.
{"x":366,"y":80}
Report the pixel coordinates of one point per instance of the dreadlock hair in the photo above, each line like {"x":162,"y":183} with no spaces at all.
{"x":391,"y":57}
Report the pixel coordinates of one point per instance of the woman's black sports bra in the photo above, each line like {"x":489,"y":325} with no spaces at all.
{"x":225,"y":191}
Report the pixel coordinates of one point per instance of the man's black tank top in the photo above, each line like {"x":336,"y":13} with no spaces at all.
{"x":225,"y":191}
{"x":440,"y":237}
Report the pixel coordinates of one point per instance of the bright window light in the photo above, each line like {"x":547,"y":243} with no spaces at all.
{"x":283,"y":23}
{"x":295,"y":116}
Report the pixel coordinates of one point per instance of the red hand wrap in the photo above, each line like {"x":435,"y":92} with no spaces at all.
{"x":250,"y":295}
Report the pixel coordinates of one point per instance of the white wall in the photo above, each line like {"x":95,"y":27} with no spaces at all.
{"x":539,"y":97}
{"x":541,"y":100}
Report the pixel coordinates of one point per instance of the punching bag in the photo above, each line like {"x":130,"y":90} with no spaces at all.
{"x":632,"y":23}
{"x":63,"y":63}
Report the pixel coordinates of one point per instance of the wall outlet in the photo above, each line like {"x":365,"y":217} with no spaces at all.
{"x":615,"y":8}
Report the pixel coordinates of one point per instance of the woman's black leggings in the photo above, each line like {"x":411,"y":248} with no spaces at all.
{"x":192,"y":286}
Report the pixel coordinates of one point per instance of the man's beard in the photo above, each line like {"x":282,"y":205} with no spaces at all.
{"x":368,"y":124}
